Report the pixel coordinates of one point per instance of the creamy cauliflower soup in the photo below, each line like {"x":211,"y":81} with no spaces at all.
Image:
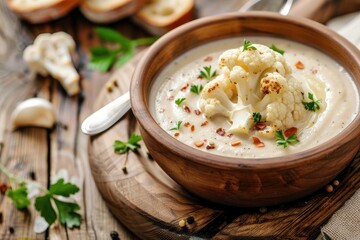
{"x":254,"y":98}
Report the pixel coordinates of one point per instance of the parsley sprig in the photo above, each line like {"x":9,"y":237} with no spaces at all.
{"x":281,"y":140}
{"x":57,"y":195}
{"x":248,"y":45}
{"x":257,"y":117}
{"x":276,"y":49}
{"x":177,"y":127}
{"x":132,"y":144}
{"x":313,"y":105}
{"x":196,"y":88}
{"x":102,"y":58}
{"x":206,"y":73}
{"x":179,"y":101}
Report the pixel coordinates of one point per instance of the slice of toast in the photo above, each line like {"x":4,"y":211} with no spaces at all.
{"x":39,"y":11}
{"x":160,"y":16}
{"x":106,"y":11}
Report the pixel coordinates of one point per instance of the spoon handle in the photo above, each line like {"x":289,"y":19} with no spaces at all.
{"x":106,"y":116}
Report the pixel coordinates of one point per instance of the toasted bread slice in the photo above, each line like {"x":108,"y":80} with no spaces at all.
{"x":40,"y":11}
{"x":160,"y":16}
{"x":105,"y":11}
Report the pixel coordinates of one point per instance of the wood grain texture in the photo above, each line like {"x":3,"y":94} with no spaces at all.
{"x":151,"y":204}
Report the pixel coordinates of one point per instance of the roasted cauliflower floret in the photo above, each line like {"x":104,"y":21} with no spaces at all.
{"x":256,"y":79}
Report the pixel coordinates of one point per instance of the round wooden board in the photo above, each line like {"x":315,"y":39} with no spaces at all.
{"x":151,"y":204}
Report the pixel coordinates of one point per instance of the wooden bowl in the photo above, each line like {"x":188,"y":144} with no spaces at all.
{"x":244,"y":181}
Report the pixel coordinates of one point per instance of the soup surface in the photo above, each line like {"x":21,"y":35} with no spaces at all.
{"x":331,"y":82}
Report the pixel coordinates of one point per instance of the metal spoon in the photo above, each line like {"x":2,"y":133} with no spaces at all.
{"x":106,"y":116}
{"x":281,"y":6}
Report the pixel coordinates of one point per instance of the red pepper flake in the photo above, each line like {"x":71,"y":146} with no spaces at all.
{"x":171,"y":98}
{"x":192,"y":128}
{"x":4,"y":187}
{"x":204,"y":123}
{"x":197,"y":112}
{"x":235,"y":143}
{"x":220,"y":131}
{"x":186,"y":109}
{"x":299,"y":65}
{"x":176,"y":134}
{"x":208,"y":59}
{"x":230,"y":135}
{"x":314,"y":71}
{"x":258,"y":142}
{"x":210,"y":146}
{"x":186,"y":124}
{"x":291,"y":131}
{"x":260,"y":126}
{"x":199,"y":144}
{"x":184,"y":87}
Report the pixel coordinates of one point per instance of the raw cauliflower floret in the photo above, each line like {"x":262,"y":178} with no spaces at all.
{"x":256,"y":80}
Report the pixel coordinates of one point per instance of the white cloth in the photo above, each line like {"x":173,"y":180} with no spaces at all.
{"x":345,"y":223}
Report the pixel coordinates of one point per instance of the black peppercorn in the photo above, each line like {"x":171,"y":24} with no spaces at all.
{"x":114,"y":235}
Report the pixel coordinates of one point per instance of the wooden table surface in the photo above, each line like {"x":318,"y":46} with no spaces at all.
{"x":42,"y":152}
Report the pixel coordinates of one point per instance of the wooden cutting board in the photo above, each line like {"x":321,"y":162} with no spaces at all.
{"x":151,"y":204}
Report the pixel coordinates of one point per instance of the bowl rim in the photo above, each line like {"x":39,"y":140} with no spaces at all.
{"x":145,"y":118}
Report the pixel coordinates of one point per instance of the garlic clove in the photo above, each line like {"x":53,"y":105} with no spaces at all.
{"x":33,"y":112}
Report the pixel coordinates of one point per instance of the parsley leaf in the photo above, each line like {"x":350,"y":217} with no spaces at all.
{"x":196,"y":89}
{"x":282,"y":141}
{"x":43,"y":205}
{"x":177,"y":127}
{"x":63,"y":189}
{"x":312,"y":105}
{"x":206,"y":73}
{"x":19,"y":196}
{"x":179,"y":101}
{"x":257,"y":117}
{"x":274,"y":48}
{"x":248,"y":45}
{"x":67,"y":210}
{"x":103,"y":58}
{"x":67,"y":213}
{"x":132,"y":144}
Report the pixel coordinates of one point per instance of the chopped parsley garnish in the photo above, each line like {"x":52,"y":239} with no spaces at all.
{"x":19,"y":196}
{"x":177,"y":127}
{"x":196,"y":89}
{"x":276,"y":49}
{"x":206,"y":73}
{"x":179,"y":101}
{"x":132,"y":144}
{"x":312,"y":105}
{"x":257,"y":117}
{"x":281,"y":140}
{"x":248,"y":45}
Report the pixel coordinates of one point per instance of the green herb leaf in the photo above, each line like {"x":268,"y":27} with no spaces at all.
{"x":132,"y":144}
{"x":179,"y":101}
{"x":282,"y":141}
{"x":178,"y":125}
{"x":248,"y":45}
{"x":206,"y":73}
{"x":43,"y":205}
{"x":257,"y":117}
{"x":103,"y":58}
{"x":196,"y":89}
{"x":274,"y":48}
{"x":63,"y":189}
{"x":312,"y":105}
{"x":19,"y":197}
{"x":325,"y":236}
{"x":102,"y":63}
{"x":110,"y":35}
{"x":67,"y":213}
